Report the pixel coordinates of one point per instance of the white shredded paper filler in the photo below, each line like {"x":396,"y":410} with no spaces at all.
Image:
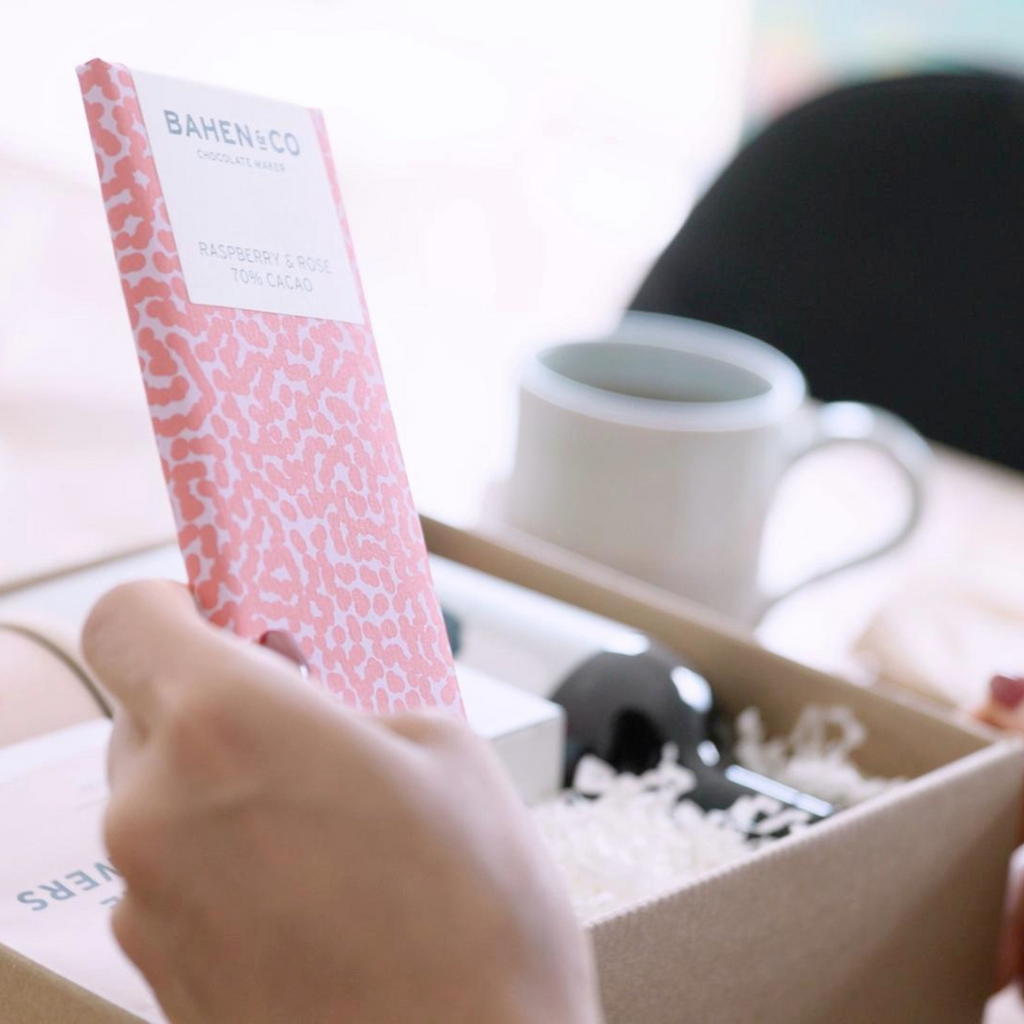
{"x":621,"y":838}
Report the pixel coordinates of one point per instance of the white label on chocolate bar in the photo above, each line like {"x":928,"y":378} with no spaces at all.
{"x":249,"y":201}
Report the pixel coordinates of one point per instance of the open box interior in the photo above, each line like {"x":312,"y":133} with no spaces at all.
{"x":739,"y":670}
{"x":887,"y":912}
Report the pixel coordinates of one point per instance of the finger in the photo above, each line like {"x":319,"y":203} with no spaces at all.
{"x":1011,"y":943}
{"x":1008,"y":957}
{"x":422,"y":728}
{"x":148,"y":644}
{"x":283,"y":643}
{"x":137,"y":633}
{"x":141,"y":934}
{"x":126,"y":741}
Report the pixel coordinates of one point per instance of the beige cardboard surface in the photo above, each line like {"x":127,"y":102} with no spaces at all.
{"x":887,"y":913}
{"x":741,"y":671}
{"x":30,"y":994}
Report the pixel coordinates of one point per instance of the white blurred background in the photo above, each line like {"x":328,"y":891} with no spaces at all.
{"x":509,"y":171}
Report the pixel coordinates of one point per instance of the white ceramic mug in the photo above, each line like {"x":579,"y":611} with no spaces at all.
{"x":658,"y":449}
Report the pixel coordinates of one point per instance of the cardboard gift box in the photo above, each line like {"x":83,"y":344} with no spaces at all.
{"x":888,"y":912}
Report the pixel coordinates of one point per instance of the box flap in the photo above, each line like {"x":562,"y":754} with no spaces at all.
{"x":906,"y":734}
{"x":31,"y":994}
{"x":861,"y":920}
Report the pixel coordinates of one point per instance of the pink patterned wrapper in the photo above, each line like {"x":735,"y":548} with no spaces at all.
{"x":278,"y":448}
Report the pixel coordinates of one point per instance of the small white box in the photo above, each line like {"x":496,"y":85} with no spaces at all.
{"x":526,"y":731}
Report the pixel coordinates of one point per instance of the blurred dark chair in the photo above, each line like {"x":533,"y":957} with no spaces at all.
{"x":876,"y":235}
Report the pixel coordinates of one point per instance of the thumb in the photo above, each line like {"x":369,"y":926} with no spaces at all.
{"x":283,"y":643}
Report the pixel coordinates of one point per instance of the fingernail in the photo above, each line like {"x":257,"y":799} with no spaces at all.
{"x":286,"y":645}
{"x":1007,"y":690}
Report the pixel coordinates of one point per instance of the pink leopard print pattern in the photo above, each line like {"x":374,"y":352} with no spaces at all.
{"x":278,"y":447}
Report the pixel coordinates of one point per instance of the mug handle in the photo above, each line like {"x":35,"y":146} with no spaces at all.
{"x":845,"y":422}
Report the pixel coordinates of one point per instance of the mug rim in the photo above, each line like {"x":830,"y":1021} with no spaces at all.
{"x":785,"y":391}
